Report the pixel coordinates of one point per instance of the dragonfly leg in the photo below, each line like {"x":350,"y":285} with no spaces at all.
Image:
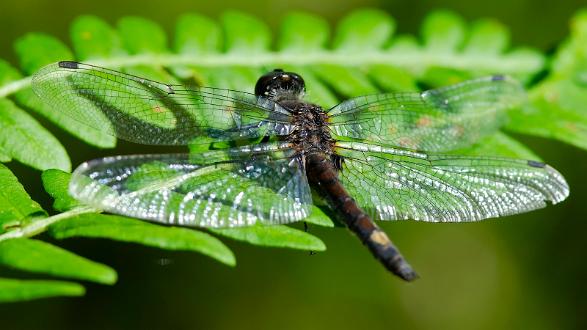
{"x":306,"y":229}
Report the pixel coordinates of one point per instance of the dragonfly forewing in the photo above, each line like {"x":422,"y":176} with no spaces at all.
{"x":149,"y":112}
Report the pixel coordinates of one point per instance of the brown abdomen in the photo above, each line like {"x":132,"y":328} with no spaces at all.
{"x":323,"y":176}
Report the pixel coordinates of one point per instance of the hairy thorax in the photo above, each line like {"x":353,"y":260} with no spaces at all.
{"x":311,"y":134}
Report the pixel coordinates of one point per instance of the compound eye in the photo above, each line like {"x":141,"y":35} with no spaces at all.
{"x":264,"y":84}
{"x":298,"y":80}
{"x":277,"y":81}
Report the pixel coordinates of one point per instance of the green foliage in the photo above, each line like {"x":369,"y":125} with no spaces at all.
{"x":557,"y":109}
{"x":78,"y":221}
{"x":26,"y":140}
{"x":16,"y":207}
{"x":21,"y":290}
{"x":361,"y":56}
{"x":39,"y":257}
{"x":135,"y":231}
{"x":276,"y":236}
{"x":55,"y":183}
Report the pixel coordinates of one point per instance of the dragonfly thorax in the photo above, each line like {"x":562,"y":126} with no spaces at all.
{"x":311,"y":133}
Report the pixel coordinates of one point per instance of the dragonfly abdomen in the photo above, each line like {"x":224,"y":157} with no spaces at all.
{"x":323,"y":175}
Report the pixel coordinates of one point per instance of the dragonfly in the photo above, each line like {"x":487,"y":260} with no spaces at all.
{"x":256,"y":158}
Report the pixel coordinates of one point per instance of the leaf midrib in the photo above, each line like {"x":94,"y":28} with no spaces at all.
{"x":40,"y":225}
{"x":408,"y":60}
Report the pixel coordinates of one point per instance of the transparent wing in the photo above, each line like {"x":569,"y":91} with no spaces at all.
{"x":184,"y":190}
{"x":149,"y":112}
{"x":394,"y":184}
{"x":435,"y":120}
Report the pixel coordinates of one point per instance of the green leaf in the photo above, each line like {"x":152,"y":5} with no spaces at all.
{"x":8,"y":73}
{"x":348,"y":82}
{"x":499,"y":144}
{"x":364,"y":30}
{"x":27,"y":141}
{"x":94,"y":38}
{"x":369,"y":30}
{"x":196,"y":34}
{"x":36,"y":50}
{"x":40,"y":257}
{"x":274,"y":236}
{"x":56,"y":183}
{"x":21,"y":137}
{"x":487,"y":36}
{"x":392,"y":78}
{"x":557,"y":104}
{"x":571,"y":55}
{"x":140,"y":35}
{"x":318,"y":217}
{"x":135,"y":231}
{"x":4,"y":156}
{"x":443,"y":31}
{"x":21,"y":290}
{"x":405,"y":44}
{"x":15,"y":204}
{"x":301,"y":32}
{"x":245,"y":34}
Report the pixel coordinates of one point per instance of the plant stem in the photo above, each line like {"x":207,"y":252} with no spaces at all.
{"x":14,"y":86}
{"x":39,"y":226}
{"x":415,"y":62}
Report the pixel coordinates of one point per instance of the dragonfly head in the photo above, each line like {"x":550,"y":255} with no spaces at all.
{"x":281,"y":85}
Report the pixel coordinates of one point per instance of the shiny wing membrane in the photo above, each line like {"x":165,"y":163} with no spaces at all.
{"x":395,"y":184}
{"x":149,"y":112}
{"x":435,"y":120}
{"x":226,"y":188}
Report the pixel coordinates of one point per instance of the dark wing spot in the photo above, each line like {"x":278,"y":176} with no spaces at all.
{"x":534,"y":163}
{"x":68,"y":64}
{"x":497,"y":77}
{"x":170,"y":89}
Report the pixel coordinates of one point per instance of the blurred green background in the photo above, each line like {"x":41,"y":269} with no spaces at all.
{"x":521,"y":272}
